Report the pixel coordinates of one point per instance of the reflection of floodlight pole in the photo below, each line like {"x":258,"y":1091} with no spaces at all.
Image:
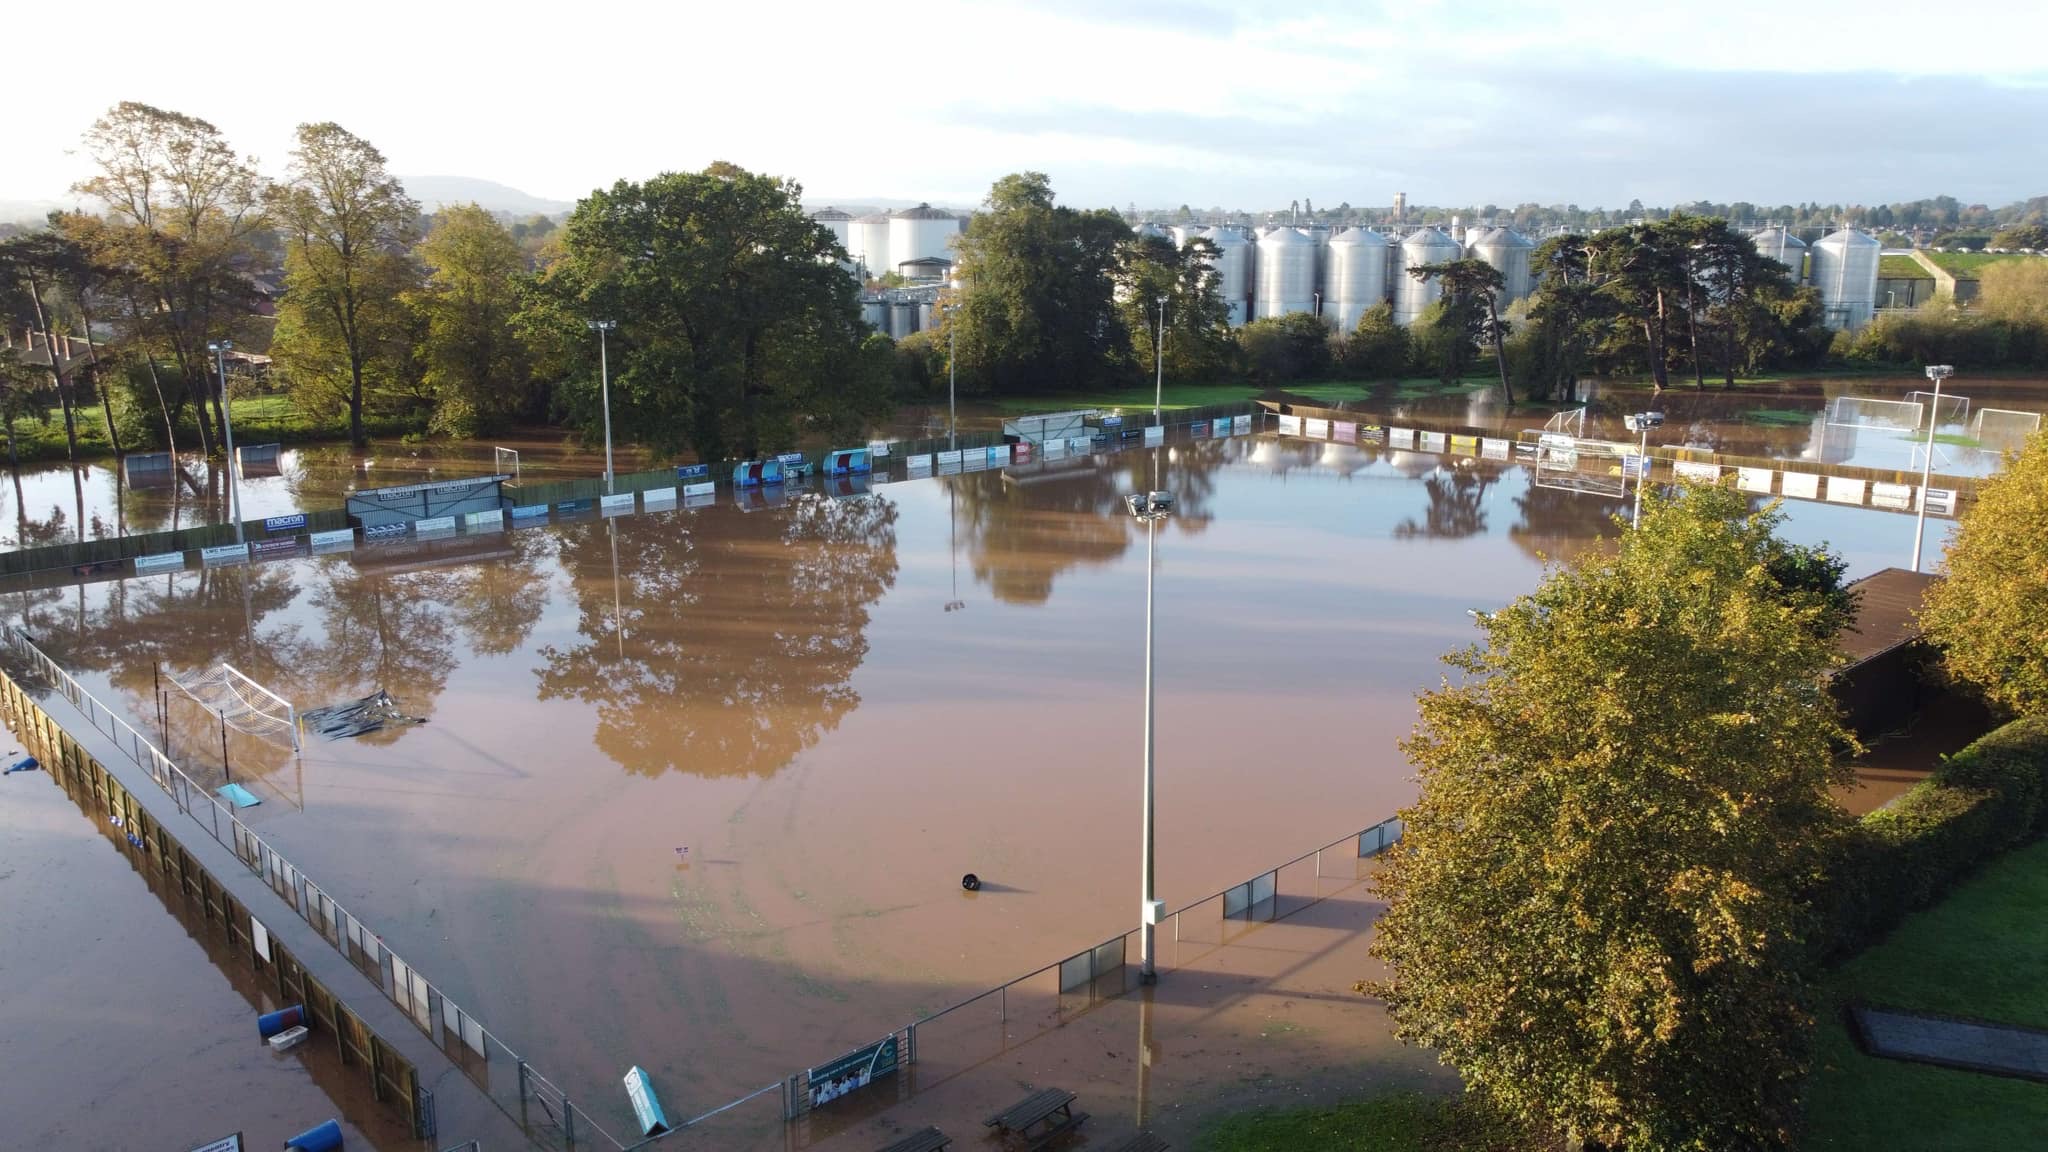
{"x":604,"y":376}
{"x":1936,"y":373}
{"x":220,"y":359}
{"x":1151,"y":508}
{"x":953,"y":549}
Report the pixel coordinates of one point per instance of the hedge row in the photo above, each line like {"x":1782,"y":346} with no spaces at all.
{"x":1983,"y":800}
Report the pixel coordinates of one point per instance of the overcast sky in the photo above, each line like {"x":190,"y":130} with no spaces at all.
{"x":1162,"y":103}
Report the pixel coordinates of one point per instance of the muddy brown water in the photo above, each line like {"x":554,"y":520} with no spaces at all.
{"x":838,"y":707}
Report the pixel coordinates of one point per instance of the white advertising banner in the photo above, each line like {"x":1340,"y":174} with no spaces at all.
{"x":1753,"y":480}
{"x":1493,"y":449}
{"x":224,"y":554}
{"x":160,"y":561}
{"x":618,"y":504}
{"x":949,"y":457}
{"x":658,"y":498}
{"x":432,"y":524}
{"x":1290,"y":425}
{"x":706,"y":488}
{"x":1894,"y":496}
{"x":1154,"y":435}
{"x":1697,"y":472}
{"x":919,"y":463}
{"x":484,"y":521}
{"x":1844,"y":491}
{"x":339,"y":540}
{"x":1315,"y":429}
{"x":879,"y":449}
{"x":1434,"y":441}
{"x":1801,"y":485}
{"x":1239,"y":425}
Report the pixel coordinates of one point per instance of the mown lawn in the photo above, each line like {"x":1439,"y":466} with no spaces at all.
{"x":1981,"y":953}
{"x":1400,"y":1122}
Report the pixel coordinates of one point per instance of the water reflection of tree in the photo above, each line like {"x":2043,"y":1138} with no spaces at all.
{"x":1457,"y":502}
{"x":728,"y":641}
{"x":1024,"y":528}
{"x":1558,"y":525}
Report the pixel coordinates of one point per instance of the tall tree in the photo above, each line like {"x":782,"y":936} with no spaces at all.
{"x":736,"y":327}
{"x":1197,"y":329}
{"x":1039,"y":312}
{"x":1595,"y":910}
{"x":349,"y":228}
{"x":1736,"y":284}
{"x":1644,"y":269}
{"x":183,"y":208}
{"x":1990,"y":616}
{"x":1470,"y":315}
{"x":1564,"y":310}
{"x":32,"y":263}
{"x":477,"y":368}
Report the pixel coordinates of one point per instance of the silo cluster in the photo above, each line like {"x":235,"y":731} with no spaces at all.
{"x":1412,"y":294}
{"x":920,"y":233}
{"x":1781,"y":245}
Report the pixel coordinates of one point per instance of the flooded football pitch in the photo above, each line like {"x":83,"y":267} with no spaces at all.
{"x":694,"y":789}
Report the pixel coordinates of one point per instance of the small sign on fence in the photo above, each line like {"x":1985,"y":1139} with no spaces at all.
{"x":1753,"y":480}
{"x":429,"y":525}
{"x":856,"y":1069}
{"x":707,"y":488}
{"x":1240,"y":425}
{"x":652,"y":498}
{"x":692,"y":471}
{"x":484,"y":521}
{"x":1315,"y":429}
{"x":1344,"y":431}
{"x":1697,"y":472}
{"x":224,"y":554}
{"x":921,"y":463}
{"x":284,"y":523}
{"x":1290,"y":425}
{"x":273,"y":549}
{"x":616,"y":505}
{"x":160,"y":561}
{"x":339,"y":540}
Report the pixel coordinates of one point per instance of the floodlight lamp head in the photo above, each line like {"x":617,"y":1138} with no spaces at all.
{"x":1939,"y":372}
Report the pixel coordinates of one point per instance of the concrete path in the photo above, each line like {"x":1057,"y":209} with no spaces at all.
{"x":1972,"y":1045}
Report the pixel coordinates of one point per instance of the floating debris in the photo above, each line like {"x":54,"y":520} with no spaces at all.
{"x":355,"y":717}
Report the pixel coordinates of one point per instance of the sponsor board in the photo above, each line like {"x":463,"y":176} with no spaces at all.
{"x":790,"y":459}
{"x":385,"y":531}
{"x":1315,"y":429}
{"x":921,"y":463}
{"x":1803,"y":485}
{"x":1895,"y":496}
{"x":1940,"y":501}
{"x":1697,"y":472}
{"x":529,"y":512}
{"x":1081,"y":445}
{"x":997,"y":457}
{"x":1344,"y":431}
{"x":1055,"y":449}
{"x":224,"y":554}
{"x":1634,"y":467}
{"x":856,"y":1069}
{"x":1400,"y":437}
{"x":476,"y":521}
{"x":699,"y":499}
{"x":1464,"y":443}
{"x":618,"y":504}
{"x":949,"y":457}
{"x":1112,"y":421}
{"x":429,"y":525}
{"x":1371,"y":434}
{"x":284,"y":523}
{"x":573,"y":507}
{"x":272,"y":549}
{"x":707,"y":488}
{"x":1432,"y":441}
{"x":160,"y":561}
{"x":1290,"y":425}
{"x":1493,"y":449}
{"x":973,"y":461}
{"x":1156,"y":434}
{"x":339,"y":540}
{"x":658,"y":498}
{"x":1753,"y":480}
{"x":1130,"y":434}
{"x":1198,"y":428}
{"x":879,"y":449}
{"x":1844,"y":491}
{"x":1239,"y":425}
{"x":1021,"y":451}
{"x":692,"y":471}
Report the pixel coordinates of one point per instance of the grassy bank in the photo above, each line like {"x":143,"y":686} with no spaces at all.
{"x":257,"y":419}
{"x":1981,"y":953}
{"x":1404,"y":1122}
{"x":1193,"y":395}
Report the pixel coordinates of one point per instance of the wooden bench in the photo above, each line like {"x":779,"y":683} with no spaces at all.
{"x":922,"y":1140}
{"x":1039,"y":1117}
{"x":1142,"y":1142}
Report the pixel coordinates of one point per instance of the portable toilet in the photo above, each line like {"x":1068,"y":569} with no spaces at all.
{"x":847,"y":461}
{"x":757,"y":473}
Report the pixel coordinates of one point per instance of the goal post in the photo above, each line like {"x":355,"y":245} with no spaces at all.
{"x":505,"y":461}
{"x":2004,"y":425}
{"x":1865,"y":412}
{"x":1952,"y":409}
{"x":243,"y":704}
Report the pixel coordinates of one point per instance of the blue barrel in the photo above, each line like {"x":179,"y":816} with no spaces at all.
{"x":271,"y":1023}
{"x":324,"y":1137}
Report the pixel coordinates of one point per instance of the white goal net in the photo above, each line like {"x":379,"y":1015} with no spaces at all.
{"x":1864,"y":412}
{"x":2003,"y":427}
{"x":1951,"y":409}
{"x":505,"y":462}
{"x":1570,"y":464}
{"x":242,"y":704}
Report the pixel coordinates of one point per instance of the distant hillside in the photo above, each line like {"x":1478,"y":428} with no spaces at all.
{"x":435,"y":191}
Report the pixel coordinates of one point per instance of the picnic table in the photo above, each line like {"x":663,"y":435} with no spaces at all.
{"x":922,"y":1140}
{"x":1039,"y":1117}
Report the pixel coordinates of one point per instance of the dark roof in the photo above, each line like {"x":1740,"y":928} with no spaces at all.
{"x":926,"y":262}
{"x":924,"y":212}
{"x":830,"y":213}
{"x":1887,"y":611}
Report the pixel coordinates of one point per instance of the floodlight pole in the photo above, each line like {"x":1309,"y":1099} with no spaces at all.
{"x":1159,"y":363}
{"x":1936,"y":373}
{"x":952,"y":335}
{"x":1643,"y":462}
{"x":1145,"y":509}
{"x":220,"y":350}
{"x":604,"y":375}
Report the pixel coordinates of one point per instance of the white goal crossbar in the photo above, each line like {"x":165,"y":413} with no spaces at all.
{"x":2004,"y":423}
{"x":243,"y":704}
{"x":499,"y":457}
{"x":1953,"y":409}
{"x":1573,"y":464}
{"x":1864,"y":412}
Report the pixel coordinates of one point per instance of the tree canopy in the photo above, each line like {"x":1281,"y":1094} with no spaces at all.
{"x":1990,"y":615}
{"x":1595,"y":910}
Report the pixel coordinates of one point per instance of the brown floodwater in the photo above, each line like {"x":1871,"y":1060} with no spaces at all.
{"x":838,"y":707}
{"x":129,"y":1021}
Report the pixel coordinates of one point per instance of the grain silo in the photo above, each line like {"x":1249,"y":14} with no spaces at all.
{"x":1182,"y":233}
{"x":1286,"y":276}
{"x":1845,"y":270}
{"x":921,"y":233}
{"x":902,"y":318}
{"x":1356,"y":278}
{"x":1151,"y":231}
{"x":1509,"y":252}
{"x":841,"y":223}
{"x":1412,"y":294}
{"x":1233,"y":272}
{"x":1781,"y":245}
{"x":869,"y":236}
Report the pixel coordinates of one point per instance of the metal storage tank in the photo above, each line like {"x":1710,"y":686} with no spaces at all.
{"x":1233,"y":272}
{"x":869,"y":245}
{"x":920,"y":233}
{"x":1319,"y":235}
{"x":1149,"y":230}
{"x":876,"y":313}
{"x":841,"y":223}
{"x":924,"y":316}
{"x":1286,"y":277}
{"x":1845,"y":270}
{"x":1781,"y":245}
{"x":1509,"y":252}
{"x":1182,"y":233}
{"x":902,"y":319}
{"x":1413,"y":296}
{"x":1357,"y":277}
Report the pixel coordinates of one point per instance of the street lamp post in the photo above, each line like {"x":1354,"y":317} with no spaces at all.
{"x":1936,"y":373}
{"x":1151,"y":508}
{"x":604,"y":376}
{"x":1642,"y":422}
{"x":1159,"y":363}
{"x":220,"y":351}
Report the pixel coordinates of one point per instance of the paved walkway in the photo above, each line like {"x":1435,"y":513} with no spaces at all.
{"x":1973,"y":1045}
